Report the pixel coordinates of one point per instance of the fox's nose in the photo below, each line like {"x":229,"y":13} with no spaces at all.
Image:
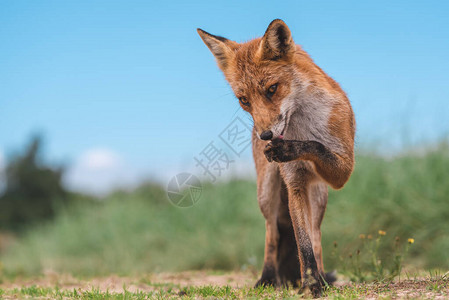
{"x":266,"y":135}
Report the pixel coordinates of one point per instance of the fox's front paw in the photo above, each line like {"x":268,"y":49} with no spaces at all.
{"x":265,"y":282}
{"x":280,"y":150}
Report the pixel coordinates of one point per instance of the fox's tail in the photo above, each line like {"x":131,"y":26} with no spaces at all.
{"x":330,"y":277}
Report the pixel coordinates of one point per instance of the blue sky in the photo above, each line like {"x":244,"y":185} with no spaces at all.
{"x":129,"y":84}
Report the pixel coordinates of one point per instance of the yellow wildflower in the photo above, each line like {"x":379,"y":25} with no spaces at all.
{"x":381,"y":232}
{"x":411,"y":241}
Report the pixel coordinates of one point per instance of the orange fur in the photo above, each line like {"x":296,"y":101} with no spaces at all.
{"x":312,"y":129}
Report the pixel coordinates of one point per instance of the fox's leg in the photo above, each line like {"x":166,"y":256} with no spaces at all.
{"x":288,"y":263}
{"x":334,"y":168}
{"x":318,"y":196}
{"x":298,"y":176}
{"x":268,"y":193}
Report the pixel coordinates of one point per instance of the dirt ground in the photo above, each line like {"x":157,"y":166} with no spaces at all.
{"x":148,"y":282}
{"x":420,"y":288}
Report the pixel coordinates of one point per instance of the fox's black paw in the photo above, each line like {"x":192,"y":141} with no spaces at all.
{"x":316,"y":286}
{"x":313,"y":285}
{"x":280,"y":150}
{"x":266,"y":282}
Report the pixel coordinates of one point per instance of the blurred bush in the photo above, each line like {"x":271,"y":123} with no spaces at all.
{"x":143,"y":232}
{"x":407,"y":196}
{"x":32,"y":190}
{"x":133,"y":233}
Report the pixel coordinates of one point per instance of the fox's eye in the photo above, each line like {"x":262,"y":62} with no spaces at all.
{"x":243,"y":101}
{"x":272,"y":89}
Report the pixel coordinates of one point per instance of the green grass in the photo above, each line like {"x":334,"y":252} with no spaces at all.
{"x":424,"y":288}
{"x":141,"y":232}
{"x":56,"y":293}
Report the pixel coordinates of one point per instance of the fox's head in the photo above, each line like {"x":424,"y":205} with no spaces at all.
{"x":261,"y":73}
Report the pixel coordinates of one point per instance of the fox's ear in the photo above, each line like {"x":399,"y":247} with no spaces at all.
{"x":277,"y":41}
{"x":220,"y":47}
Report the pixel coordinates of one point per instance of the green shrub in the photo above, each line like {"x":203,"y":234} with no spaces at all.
{"x":128,"y":233}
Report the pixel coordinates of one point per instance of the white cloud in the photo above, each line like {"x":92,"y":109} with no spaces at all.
{"x":2,"y":161}
{"x":99,"y":159}
{"x":98,"y":171}
{"x":2,"y":175}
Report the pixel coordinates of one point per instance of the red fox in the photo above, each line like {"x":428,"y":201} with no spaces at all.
{"x":303,"y":139}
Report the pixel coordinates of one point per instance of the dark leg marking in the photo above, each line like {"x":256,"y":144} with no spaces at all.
{"x":311,"y":277}
{"x":289,"y":268}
